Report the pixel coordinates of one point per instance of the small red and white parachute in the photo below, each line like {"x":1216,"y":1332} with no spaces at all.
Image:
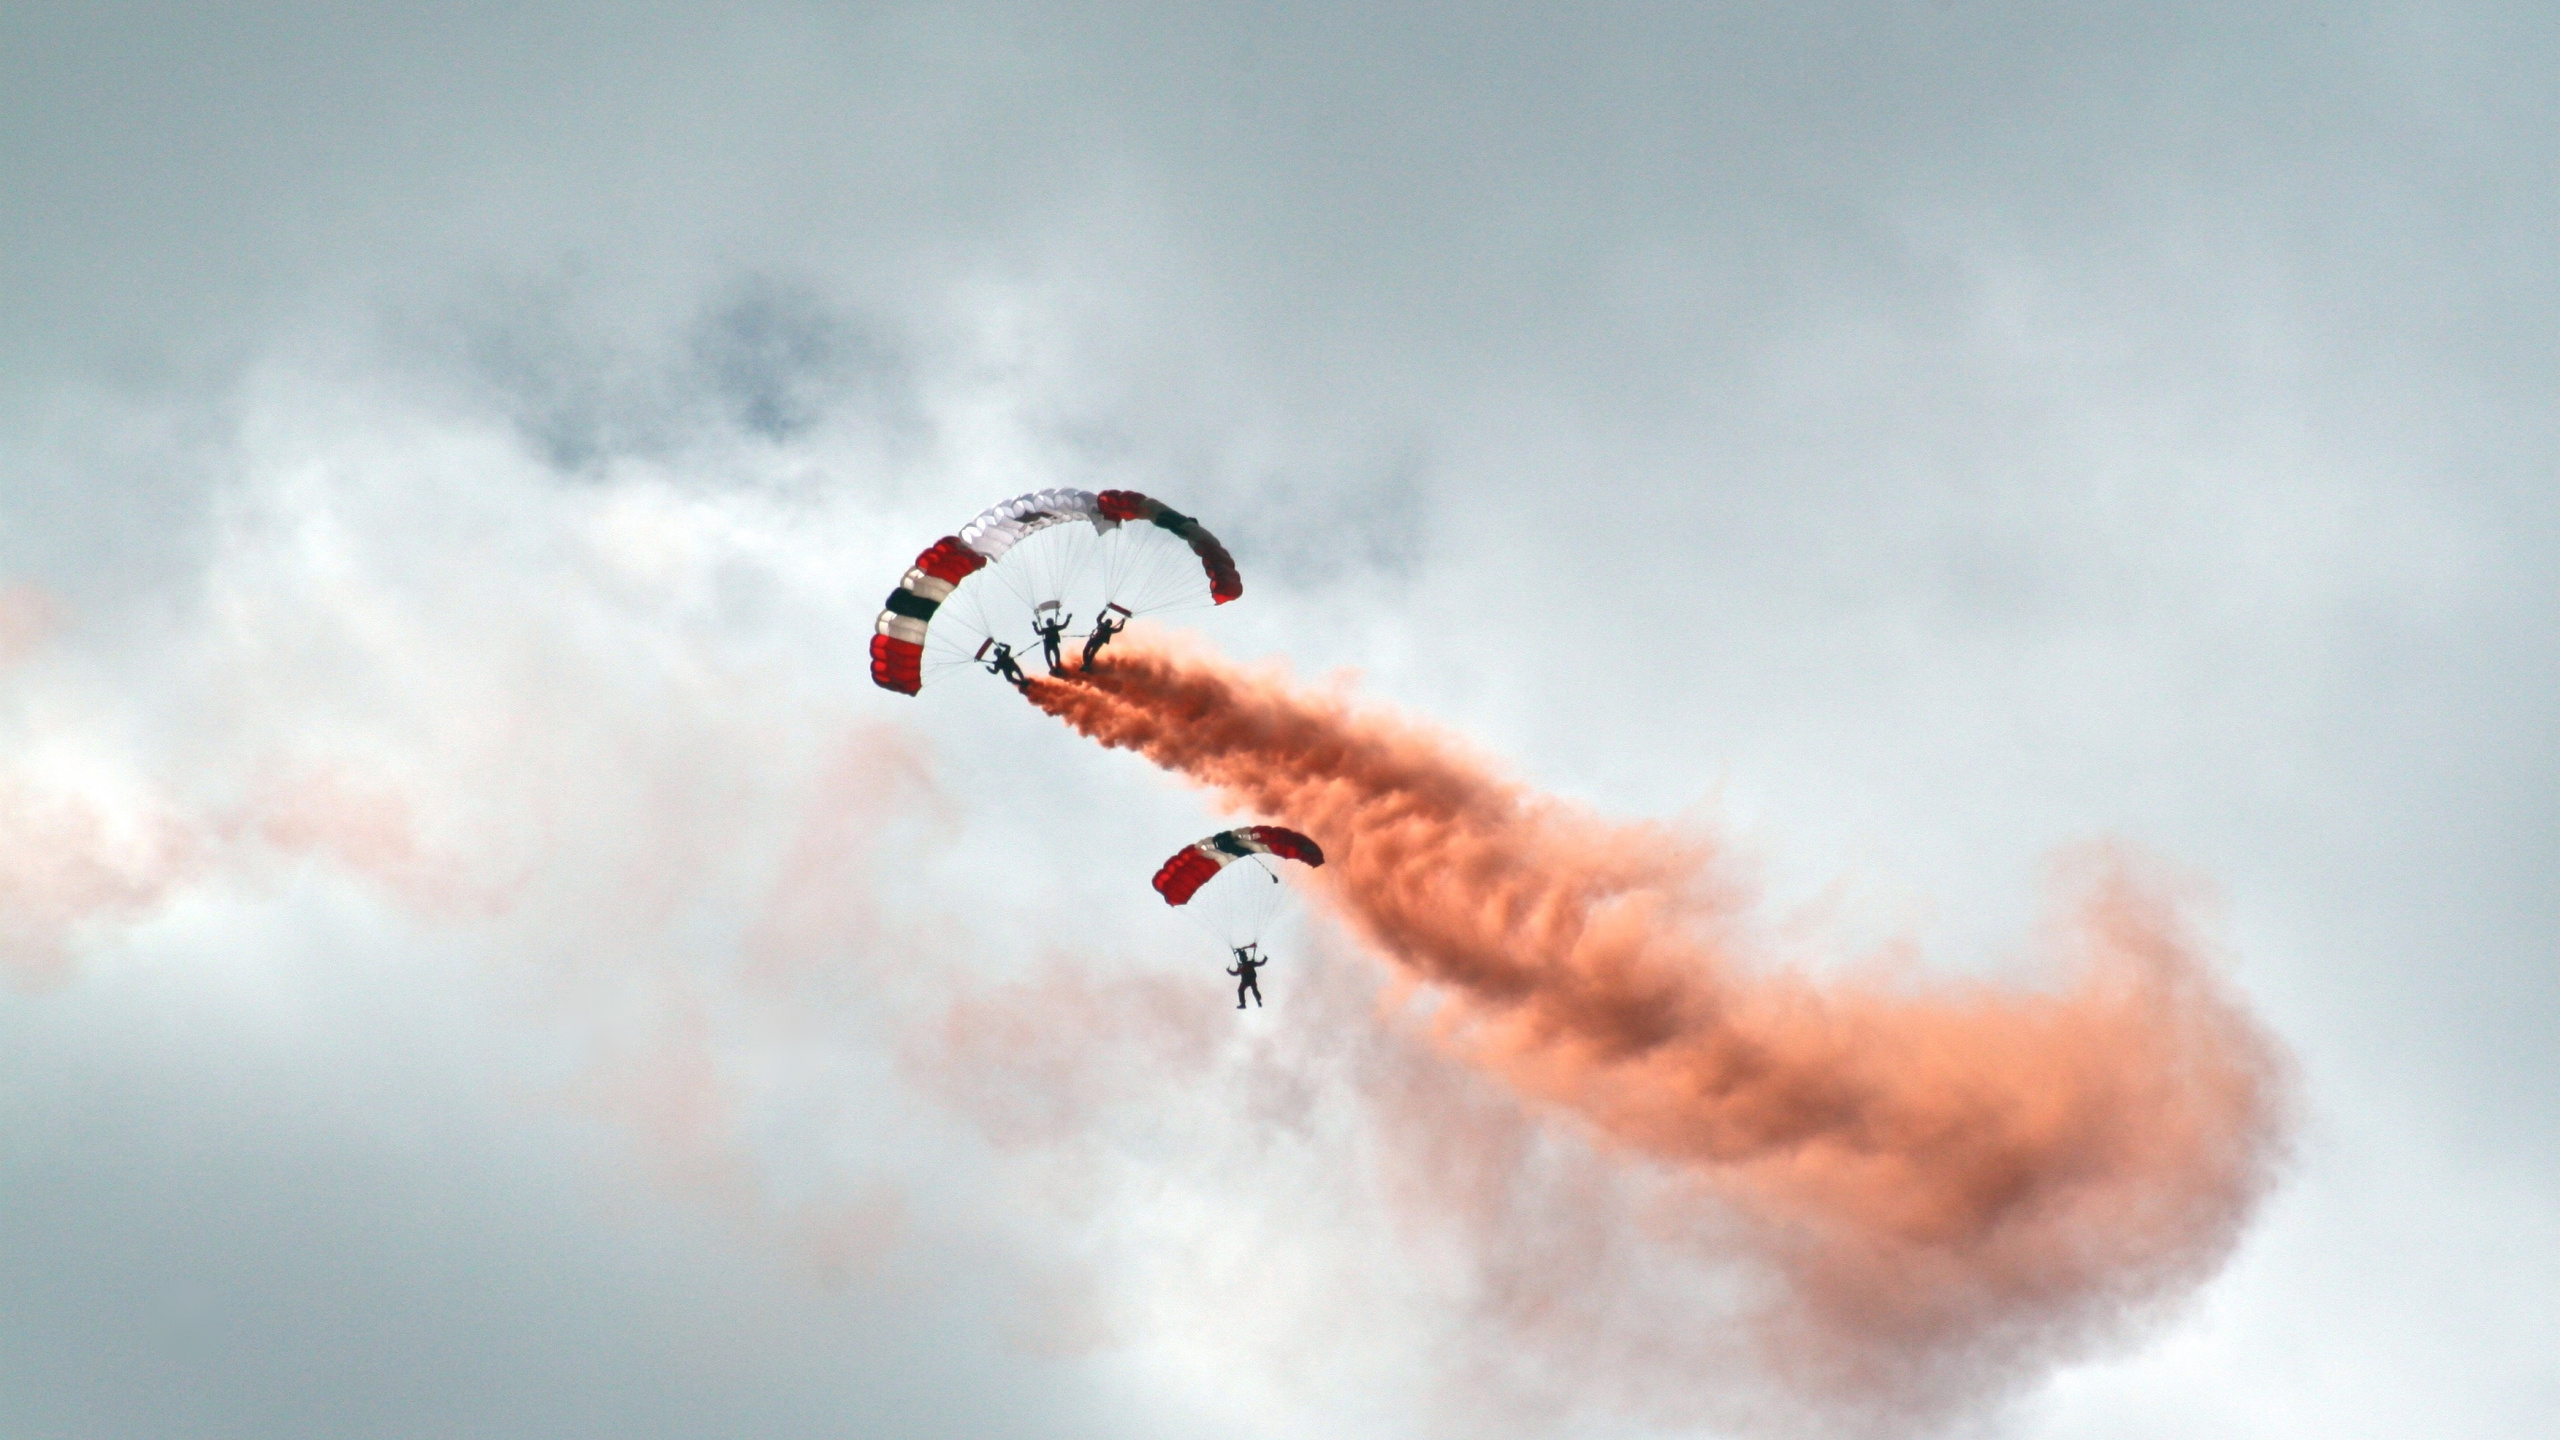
{"x":1196,"y":864}
{"x":1049,"y":553}
{"x":1233,"y":903}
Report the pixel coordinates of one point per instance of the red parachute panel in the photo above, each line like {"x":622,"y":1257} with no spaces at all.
{"x":1182,"y":876}
{"x":950,"y":560}
{"x":1225,"y":583}
{"x":897,"y":664}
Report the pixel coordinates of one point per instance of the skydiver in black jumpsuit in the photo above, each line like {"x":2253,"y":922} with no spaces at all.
{"x":1050,"y":636}
{"x":1004,"y":665}
{"x":1103,"y":630}
{"x":1246,"y":963}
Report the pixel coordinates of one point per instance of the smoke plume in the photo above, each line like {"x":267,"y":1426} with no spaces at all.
{"x":1950,"y":1184}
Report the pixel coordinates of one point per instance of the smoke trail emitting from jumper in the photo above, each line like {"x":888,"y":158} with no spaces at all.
{"x":1967,"y":1173}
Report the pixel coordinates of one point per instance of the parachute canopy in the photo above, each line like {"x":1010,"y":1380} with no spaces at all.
{"x":1195,"y":865}
{"x":1049,"y":549}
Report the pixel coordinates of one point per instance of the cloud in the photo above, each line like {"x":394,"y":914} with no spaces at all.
{"x":460,"y":444}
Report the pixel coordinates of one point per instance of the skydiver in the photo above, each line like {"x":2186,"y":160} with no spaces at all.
{"x":1103,"y":630}
{"x":1003,"y":664}
{"x":1050,"y":636}
{"x":1246,"y":964}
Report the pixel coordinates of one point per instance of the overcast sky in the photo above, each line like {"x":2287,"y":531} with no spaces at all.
{"x":483,"y":960}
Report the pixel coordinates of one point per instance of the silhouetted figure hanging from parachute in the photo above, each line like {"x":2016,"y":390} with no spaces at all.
{"x":1005,"y":665}
{"x":1235,"y":907}
{"x":1051,"y":627}
{"x":1103,"y":629}
{"x":1246,"y":964}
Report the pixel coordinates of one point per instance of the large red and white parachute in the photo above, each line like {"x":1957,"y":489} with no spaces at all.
{"x":1062,"y":552}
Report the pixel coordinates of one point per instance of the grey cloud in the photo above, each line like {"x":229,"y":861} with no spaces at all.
{"x":761,"y":361}
{"x":779,"y":359}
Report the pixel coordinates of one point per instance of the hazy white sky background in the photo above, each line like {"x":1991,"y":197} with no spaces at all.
{"x":485,"y":961}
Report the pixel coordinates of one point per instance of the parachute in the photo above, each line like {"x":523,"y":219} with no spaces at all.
{"x":1054,"y":551}
{"x":1195,"y":865}
{"x":1233,"y":909}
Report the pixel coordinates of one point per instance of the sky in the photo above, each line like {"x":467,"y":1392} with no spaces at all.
{"x":482,"y":959}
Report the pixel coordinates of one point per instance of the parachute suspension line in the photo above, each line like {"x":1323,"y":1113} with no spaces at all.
{"x":1063,"y":554}
{"x":1144,"y":565}
{"x":954,"y":644}
{"x":1148,"y":576}
{"x":1150,"y":570}
{"x":1077,"y":561}
{"x":1019,"y":576}
{"x":1045,"y":568}
{"x":1173,"y":574}
{"x":978,"y":607}
{"x":1120,"y":552}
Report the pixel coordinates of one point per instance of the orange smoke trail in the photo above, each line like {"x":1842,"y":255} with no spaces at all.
{"x":1965,"y":1173}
